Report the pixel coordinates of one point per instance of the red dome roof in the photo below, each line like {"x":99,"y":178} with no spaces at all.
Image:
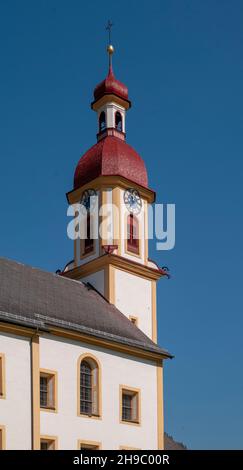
{"x":111,"y":156}
{"x":111,"y":86}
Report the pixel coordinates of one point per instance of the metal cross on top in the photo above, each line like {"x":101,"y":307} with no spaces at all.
{"x":108,"y":28}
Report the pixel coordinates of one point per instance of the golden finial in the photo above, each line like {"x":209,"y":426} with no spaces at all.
{"x":110,"y":49}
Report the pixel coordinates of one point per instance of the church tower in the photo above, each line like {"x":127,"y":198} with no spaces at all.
{"x":117,"y":262}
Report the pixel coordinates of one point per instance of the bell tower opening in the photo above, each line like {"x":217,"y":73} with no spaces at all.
{"x":118,"y":121}
{"x":102,"y":121}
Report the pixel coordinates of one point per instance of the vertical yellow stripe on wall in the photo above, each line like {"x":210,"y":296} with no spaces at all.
{"x":160,"y":406}
{"x":110,"y":284}
{"x":35,"y":363}
{"x":116,"y":218}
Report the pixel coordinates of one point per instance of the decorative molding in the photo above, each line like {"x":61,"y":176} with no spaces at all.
{"x":119,"y":262}
{"x":113,"y":345}
{"x":107,"y":98}
{"x":115,"y":181}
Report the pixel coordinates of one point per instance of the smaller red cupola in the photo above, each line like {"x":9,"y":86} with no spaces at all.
{"x":111,"y":86}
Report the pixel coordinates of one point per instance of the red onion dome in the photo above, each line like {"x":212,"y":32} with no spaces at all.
{"x":111,"y":156}
{"x":111,"y":86}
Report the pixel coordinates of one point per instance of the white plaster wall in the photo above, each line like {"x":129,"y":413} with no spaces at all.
{"x":62,"y":356}
{"x":97,"y":280}
{"x":133,"y":296}
{"x":15,"y":410}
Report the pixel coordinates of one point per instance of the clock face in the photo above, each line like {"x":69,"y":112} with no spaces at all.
{"x":86,"y":201}
{"x":133,"y":200}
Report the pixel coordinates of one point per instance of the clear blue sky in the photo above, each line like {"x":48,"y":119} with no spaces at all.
{"x":182,"y":62}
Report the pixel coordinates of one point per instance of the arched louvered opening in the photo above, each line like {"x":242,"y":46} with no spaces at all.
{"x":102,"y":121}
{"x":118,"y":121}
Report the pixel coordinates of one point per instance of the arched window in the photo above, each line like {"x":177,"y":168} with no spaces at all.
{"x":88,"y":242}
{"x":132,"y":234}
{"x":89,"y":378}
{"x":118,"y":121}
{"x":102,"y":121}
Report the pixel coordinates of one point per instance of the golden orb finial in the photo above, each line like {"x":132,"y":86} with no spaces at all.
{"x":110,"y":49}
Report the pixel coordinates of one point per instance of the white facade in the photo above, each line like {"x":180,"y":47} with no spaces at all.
{"x":61,"y":355}
{"x":15,"y":408}
{"x":134,"y":305}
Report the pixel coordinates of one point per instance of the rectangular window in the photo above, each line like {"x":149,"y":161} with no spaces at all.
{"x":133,"y":234}
{"x":130,"y":405}
{"x":48,"y":443}
{"x":88,"y":242}
{"x":89,"y":445}
{"x":48,"y":390}
{"x":2,"y":375}
{"x":134,"y":320}
{"x":2,"y":437}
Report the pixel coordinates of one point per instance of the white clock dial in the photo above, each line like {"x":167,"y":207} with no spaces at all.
{"x":133,"y":201}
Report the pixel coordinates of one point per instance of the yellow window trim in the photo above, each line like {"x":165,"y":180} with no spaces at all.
{"x":3,"y":437}
{"x":133,"y":319}
{"x":129,"y":448}
{"x":127,"y":388}
{"x":89,"y":443}
{"x":53,"y":439}
{"x":2,"y":376}
{"x":99,"y":398}
{"x":52,"y":374}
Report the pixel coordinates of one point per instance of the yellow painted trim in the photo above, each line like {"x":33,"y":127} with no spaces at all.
{"x":93,"y":358}
{"x":17,"y":330}
{"x":2,"y":376}
{"x":87,"y":339}
{"x":119,"y":262}
{"x":109,"y":280}
{"x":35,"y":363}
{"x":154,"y":311}
{"x":89,"y":443}
{"x":107,"y":99}
{"x":128,"y":448}
{"x":74,"y":196}
{"x":112,"y":345}
{"x":138,"y":392}
{"x":54,"y":439}
{"x":160,"y":407}
{"x":3,"y":437}
{"x":116,"y":200}
{"x":146,"y":241}
{"x":103,"y":221}
{"x":52,"y":374}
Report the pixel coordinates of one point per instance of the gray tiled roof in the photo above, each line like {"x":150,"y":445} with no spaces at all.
{"x":33,"y":297}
